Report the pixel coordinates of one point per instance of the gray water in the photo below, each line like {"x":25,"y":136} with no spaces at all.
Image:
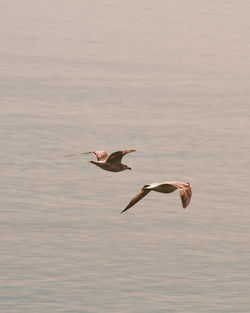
{"x":167,"y":78}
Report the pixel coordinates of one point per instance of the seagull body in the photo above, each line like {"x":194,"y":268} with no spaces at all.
{"x":185,"y":191}
{"x":111,"y":163}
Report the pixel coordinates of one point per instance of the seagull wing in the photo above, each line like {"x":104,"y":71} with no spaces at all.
{"x":136,"y":198}
{"x":100,"y":155}
{"x":117,"y":156}
{"x":186,"y":194}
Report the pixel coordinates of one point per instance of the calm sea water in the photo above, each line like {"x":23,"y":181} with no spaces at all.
{"x":167,"y":78}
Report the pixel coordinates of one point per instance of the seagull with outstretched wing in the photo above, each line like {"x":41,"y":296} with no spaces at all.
{"x":107,"y":162}
{"x":185,"y":191}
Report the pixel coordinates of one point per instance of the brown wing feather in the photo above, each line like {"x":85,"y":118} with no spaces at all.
{"x":136,"y":198}
{"x":101,"y":155}
{"x":185,"y":193}
{"x":76,"y":154}
{"x":117,"y":156}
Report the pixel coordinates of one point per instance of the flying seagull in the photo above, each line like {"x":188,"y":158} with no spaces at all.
{"x":107,"y":162}
{"x":185,"y":191}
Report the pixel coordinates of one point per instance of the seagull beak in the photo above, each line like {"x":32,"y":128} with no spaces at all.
{"x":129,"y":168}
